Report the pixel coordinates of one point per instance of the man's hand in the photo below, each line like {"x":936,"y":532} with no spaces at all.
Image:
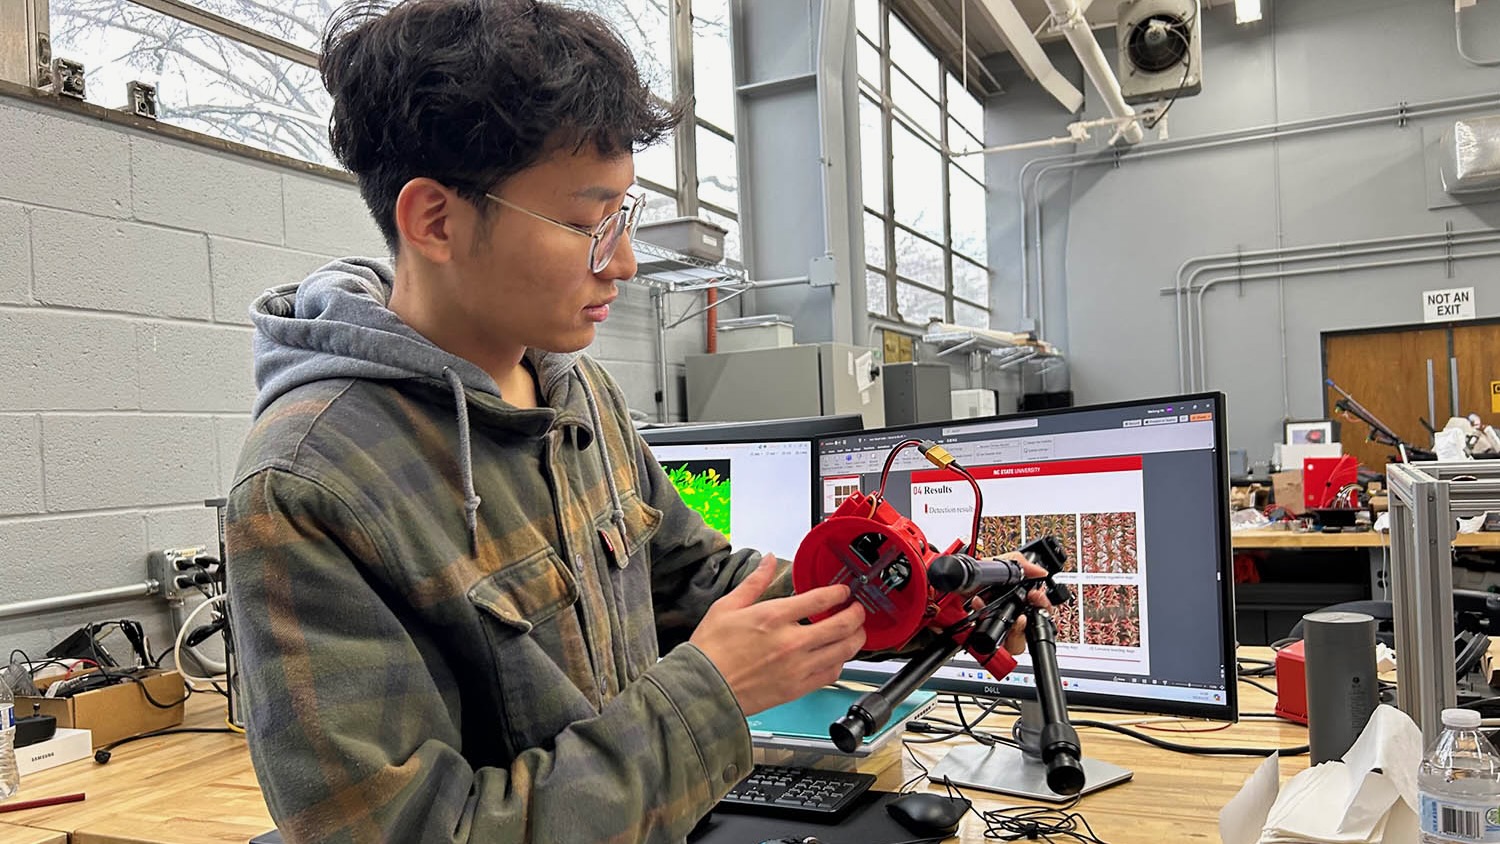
{"x":1015,"y":640}
{"x":765,"y":654}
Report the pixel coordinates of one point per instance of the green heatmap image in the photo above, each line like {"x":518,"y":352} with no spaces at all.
{"x":704,"y":486}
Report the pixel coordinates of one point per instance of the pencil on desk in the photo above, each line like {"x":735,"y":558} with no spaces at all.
{"x":39,"y":803}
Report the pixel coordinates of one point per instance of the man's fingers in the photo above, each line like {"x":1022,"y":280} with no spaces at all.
{"x":753,"y":586}
{"x":847,"y":623}
{"x":809,"y":603}
{"x":1015,"y":641}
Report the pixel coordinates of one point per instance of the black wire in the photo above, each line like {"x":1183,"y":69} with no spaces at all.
{"x":102,"y":755}
{"x":1262,"y":686}
{"x":1196,"y":750}
{"x":156,"y":663}
{"x":186,"y":693}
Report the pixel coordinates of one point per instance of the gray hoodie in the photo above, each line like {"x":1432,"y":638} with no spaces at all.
{"x":336,"y":324}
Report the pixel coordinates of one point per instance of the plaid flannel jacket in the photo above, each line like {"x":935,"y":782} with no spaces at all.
{"x":404,"y":686}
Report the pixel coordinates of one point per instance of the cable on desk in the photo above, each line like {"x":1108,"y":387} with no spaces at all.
{"x":1204,"y":750}
{"x":102,"y":755}
{"x":1262,"y":686}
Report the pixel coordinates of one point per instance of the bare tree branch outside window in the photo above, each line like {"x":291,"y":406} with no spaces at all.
{"x":221,"y":87}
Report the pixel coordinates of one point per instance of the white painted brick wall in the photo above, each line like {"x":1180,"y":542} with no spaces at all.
{"x":54,"y":360}
{"x":128,"y":460}
{"x":177,"y":185}
{"x":197,"y":367}
{"x":127,"y":265}
{"x":15,"y":255}
{"x":58,"y":161}
{"x":328,"y":218}
{"x":20,"y":465}
{"x":241,"y":271}
{"x":111,"y":265}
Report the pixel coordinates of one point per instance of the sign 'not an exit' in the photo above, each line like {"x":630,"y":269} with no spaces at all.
{"x":1448,"y":305}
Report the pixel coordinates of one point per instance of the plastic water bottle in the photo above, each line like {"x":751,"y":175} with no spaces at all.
{"x":10,"y":775}
{"x":1459,"y":783}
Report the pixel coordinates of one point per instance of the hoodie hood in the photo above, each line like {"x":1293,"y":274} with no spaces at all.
{"x":337,"y":324}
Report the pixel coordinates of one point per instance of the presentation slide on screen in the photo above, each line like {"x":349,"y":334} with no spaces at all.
{"x":1096,"y":509}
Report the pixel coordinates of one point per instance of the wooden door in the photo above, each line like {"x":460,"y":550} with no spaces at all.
{"x":1477,"y":348}
{"x":1386,"y":371}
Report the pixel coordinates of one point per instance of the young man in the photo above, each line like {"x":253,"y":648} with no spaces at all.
{"x":469,"y":604}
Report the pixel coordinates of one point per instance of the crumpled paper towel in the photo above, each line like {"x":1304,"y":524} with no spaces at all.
{"x":1368,"y":798}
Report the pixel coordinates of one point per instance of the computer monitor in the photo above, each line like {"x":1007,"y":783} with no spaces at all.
{"x":757,"y":493}
{"x":1138,"y":494}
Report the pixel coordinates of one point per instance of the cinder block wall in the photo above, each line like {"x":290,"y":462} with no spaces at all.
{"x":127,"y":264}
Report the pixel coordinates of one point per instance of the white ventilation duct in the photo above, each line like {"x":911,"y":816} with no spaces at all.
{"x":1028,"y":52}
{"x":1068,"y":19}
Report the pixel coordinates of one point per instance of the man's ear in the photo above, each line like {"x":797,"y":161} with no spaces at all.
{"x":432,"y":218}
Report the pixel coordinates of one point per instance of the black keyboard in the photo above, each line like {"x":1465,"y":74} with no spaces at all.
{"x":804,"y":793}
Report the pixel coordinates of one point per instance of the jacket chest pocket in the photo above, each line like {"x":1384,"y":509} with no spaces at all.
{"x":536,"y":645}
{"x":627,"y":565}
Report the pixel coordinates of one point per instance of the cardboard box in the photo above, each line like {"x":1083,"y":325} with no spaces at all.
{"x":117,"y":711}
{"x":1287,"y":487}
{"x":67,"y":746}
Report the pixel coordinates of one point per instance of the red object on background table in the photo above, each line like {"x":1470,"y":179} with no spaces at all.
{"x":1323,"y":477}
{"x":20,"y":805}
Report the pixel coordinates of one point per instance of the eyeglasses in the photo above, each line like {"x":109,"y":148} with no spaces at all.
{"x":606,"y":236}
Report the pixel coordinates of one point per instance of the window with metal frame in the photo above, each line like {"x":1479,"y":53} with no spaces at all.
{"x":926,"y":250}
{"x":246,"y":71}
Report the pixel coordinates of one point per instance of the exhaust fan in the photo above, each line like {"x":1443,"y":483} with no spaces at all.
{"x":1161,"y":56}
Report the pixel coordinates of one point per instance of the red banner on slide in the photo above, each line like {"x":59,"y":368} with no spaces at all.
{"x":1034,"y":470}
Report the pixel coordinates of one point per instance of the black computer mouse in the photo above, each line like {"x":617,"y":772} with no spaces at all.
{"x":928,"y":814}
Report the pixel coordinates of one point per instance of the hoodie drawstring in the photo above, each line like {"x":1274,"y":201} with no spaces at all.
{"x":466,"y":458}
{"x":609,"y":470}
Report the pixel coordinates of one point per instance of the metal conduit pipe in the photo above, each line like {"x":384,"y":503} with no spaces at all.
{"x":1051,"y":164}
{"x":1298,"y":254}
{"x":81,"y":599}
{"x":1185,"y":144}
{"x":1314,"y":271}
{"x":1152,"y":152}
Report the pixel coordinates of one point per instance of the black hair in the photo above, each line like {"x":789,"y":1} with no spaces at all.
{"x":470,"y":92}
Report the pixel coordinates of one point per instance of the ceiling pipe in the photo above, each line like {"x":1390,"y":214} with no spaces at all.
{"x":1029,"y":54}
{"x":1069,"y":20}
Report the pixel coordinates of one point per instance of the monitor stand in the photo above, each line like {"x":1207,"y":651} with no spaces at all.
{"x":1009,"y":770}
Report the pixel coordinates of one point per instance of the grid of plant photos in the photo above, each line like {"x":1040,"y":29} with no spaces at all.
{"x":1104,"y":569}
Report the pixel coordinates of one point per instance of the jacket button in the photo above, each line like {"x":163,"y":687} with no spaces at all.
{"x":578,"y":563}
{"x":731,"y":774}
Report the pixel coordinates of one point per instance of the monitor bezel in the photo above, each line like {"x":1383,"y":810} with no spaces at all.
{"x":1229,"y":709}
{"x":745,"y":431}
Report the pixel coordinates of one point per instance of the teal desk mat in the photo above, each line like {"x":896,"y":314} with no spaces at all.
{"x":808,"y":717}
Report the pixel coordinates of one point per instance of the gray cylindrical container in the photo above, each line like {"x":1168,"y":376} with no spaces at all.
{"x":1342,"y":688}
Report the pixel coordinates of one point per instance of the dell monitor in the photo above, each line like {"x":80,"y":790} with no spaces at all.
{"x":1137,"y":493}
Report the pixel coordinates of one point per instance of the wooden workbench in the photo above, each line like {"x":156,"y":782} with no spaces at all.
{"x":1269,"y":538}
{"x":180,"y":789}
{"x":196,"y":789}
{"x":29,"y":835}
